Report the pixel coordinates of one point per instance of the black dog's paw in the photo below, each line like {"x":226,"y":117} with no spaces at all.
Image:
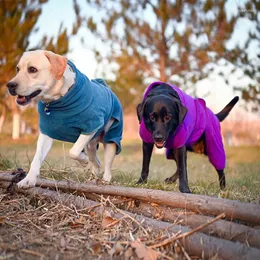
{"x":141,"y":181}
{"x":171,"y":179}
{"x":184,"y":189}
{"x":222,"y":183}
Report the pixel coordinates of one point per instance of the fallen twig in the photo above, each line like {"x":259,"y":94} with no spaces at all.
{"x":27,"y":251}
{"x":174,"y":238}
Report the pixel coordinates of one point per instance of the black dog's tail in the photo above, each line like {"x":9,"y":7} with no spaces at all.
{"x":225,"y":111}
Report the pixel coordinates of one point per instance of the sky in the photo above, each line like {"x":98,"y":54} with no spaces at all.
{"x":53,"y":13}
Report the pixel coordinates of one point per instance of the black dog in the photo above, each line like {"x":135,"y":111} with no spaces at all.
{"x":172,"y":119}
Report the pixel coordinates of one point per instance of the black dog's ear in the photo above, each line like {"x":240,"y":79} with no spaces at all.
{"x":139,"y":112}
{"x":182,"y":112}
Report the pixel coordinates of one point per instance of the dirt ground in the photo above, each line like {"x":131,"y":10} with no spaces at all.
{"x":36,"y":228}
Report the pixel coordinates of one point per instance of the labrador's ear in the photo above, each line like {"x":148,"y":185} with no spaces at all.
{"x":139,"y":111}
{"x":182,"y":112}
{"x":58,"y":63}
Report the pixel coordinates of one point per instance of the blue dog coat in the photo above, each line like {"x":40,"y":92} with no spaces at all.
{"x":86,"y":108}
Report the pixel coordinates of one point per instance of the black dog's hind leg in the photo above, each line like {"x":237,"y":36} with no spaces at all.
{"x":147,"y":153}
{"x":173,"y":178}
{"x":180,"y":155}
{"x":222,"y":179}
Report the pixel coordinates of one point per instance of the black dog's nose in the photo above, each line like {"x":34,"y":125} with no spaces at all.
{"x":158,"y":137}
{"x":12,"y":87}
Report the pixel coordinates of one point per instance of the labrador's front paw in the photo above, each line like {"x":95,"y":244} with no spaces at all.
{"x":27,"y":182}
{"x":107,"y":177}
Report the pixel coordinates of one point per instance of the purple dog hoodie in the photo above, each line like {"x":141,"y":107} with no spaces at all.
{"x":199,"y":119}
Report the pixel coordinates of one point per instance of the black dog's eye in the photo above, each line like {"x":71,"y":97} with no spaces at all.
{"x":152,"y":118}
{"x":32,"y":70}
{"x":167,"y":117}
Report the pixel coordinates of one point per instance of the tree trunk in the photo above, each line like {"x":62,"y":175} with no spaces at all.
{"x":2,"y":118}
{"x":16,"y":126}
{"x":23,"y":127}
{"x":16,"y":120}
{"x":163,"y":49}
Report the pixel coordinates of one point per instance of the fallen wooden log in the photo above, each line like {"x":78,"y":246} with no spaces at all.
{"x":196,"y":244}
{"x":234,"y":210}
{"x":222,"y":228}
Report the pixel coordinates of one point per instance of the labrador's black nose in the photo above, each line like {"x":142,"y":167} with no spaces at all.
{"x":12,"y":87}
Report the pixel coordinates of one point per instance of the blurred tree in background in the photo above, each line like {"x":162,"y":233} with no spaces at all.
{"x":18,"y":20}
{"x":246,"y":57}
{"x":176,"y":41}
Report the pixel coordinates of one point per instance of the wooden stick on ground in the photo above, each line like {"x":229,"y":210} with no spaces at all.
{"x":195,"y":244}
{"x":198,"y":203}
{"x":174,"y":238}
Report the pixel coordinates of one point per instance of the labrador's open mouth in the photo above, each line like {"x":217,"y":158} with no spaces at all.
{"x":24,"y":100}
{"x":160,"y":144}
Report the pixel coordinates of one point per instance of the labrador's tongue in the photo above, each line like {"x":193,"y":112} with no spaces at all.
{"x":21,"y":98}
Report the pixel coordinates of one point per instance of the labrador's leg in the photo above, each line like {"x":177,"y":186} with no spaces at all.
{"x":44,"y":145}
{"x":92,"y":155}
{"x":76,"y":152}
{"x":109,"y":155}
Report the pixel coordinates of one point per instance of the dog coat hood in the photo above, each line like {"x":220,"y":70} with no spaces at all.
{"x":84,"y":109}
{"x":199,"y":119}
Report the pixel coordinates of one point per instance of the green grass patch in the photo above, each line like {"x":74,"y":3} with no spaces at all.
{"x":242,"y":171}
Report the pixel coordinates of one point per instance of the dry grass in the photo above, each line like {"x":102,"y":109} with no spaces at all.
{"x":36,"y":228}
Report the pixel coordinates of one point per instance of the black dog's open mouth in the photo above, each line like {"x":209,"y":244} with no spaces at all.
{"x":24,"y":100}
{"x":160,"y":144}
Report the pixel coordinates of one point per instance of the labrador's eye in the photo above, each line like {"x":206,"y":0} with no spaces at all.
{"x":32,"y":70}
{"x":17,"y":69}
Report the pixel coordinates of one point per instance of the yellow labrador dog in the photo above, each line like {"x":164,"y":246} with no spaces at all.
{"x":71,"y":108}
